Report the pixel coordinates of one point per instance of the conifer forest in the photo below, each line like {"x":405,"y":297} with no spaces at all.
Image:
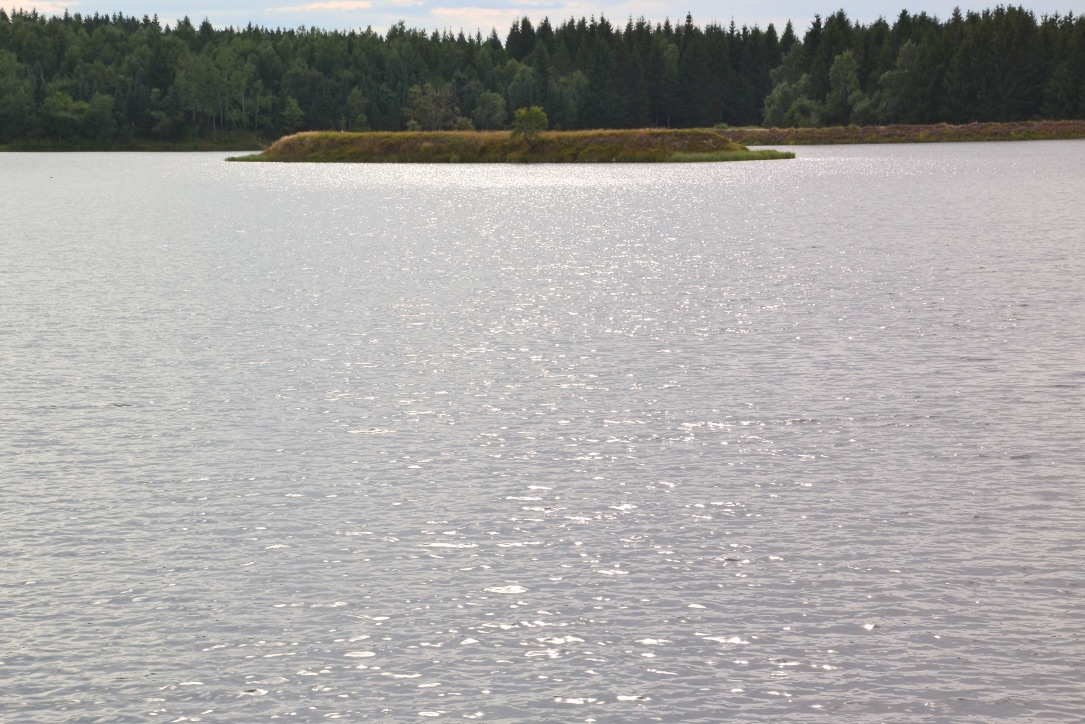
{"x":108,"y":79}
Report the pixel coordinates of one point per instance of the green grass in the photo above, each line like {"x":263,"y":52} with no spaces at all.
{"x":601,"y":146}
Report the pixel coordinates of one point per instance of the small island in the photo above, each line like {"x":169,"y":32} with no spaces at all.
{"x":600,"y":146}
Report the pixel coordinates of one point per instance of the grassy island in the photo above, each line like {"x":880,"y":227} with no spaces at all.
{"x":644,"y":145}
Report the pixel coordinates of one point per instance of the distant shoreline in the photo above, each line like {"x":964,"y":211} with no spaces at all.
{"x":933,"y":133}
{"x":741,"y":136}
{"x":654,"y":145}
{"x":224,"y":142}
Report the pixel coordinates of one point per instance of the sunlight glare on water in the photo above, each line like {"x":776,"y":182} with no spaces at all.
{"x":766,"y":441}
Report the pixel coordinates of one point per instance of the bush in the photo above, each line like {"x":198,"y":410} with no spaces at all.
{"x":528,"y":123}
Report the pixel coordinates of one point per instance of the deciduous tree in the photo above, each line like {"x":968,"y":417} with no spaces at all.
{"x":528,"y":123}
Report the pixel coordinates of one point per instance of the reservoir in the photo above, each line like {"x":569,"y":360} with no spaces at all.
{"x":770,"y":441}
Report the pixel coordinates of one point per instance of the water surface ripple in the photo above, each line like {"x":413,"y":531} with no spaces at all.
{"x":773,"y":441}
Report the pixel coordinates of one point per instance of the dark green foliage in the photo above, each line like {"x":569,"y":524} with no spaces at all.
{"x":191,"y":82}
{"x":292,"y":115}
{"x":998,"y":65}
{"x":112,"y":80}
{"x":16,"y":99}
{"x":489,"y":112}
{"x":432,"y":109}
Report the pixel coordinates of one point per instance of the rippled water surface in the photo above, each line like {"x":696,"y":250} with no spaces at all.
{"x":766,"y":441}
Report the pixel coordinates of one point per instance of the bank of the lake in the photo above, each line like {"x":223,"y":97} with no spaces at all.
{"x":932,"y":133}
{"x":641,"y":145}
{"x":571,"y":146}
{"x":233,"y":141}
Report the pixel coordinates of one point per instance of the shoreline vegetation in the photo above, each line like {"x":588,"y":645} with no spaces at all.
{"x":652,"y":145}
{"x":746,"y":136}
{"x":233,"y":141}
{"x":913,"y":133}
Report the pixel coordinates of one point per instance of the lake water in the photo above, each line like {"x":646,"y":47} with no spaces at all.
{"x":795,"y":440}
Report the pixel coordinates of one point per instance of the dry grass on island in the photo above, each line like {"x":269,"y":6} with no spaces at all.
{"x":629,"y":146}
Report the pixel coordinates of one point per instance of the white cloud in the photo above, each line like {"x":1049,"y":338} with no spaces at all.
{"x":473,"y":17}
{"x":325,"y":5}
{"x":43,"y":8}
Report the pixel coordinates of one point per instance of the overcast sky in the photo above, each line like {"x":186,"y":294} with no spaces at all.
{"x":471,"y":15}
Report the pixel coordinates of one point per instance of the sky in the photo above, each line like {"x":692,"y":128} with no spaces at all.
{"x":472,"y":15}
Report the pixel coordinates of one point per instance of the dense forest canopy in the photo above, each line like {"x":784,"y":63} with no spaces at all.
{"x":114,"y":78}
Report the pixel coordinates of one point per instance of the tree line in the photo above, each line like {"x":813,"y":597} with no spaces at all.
{"x":112,"y":78}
